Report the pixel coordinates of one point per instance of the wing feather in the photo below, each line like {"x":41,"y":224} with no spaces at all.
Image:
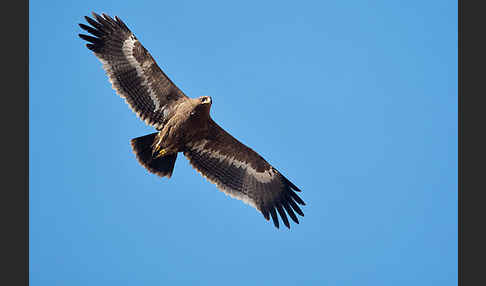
{"x":290,"y":212}
{"x":131,"y":69}
{"x":274,"y":217}
{"x":243,"y":174}
{"x":283,"y":215}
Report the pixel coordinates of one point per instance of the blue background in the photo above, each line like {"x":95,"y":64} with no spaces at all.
{"x":355,"y":101}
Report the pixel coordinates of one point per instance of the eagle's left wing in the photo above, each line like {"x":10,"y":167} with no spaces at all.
{"x":243,"y":174}
{"x":131,"y":69}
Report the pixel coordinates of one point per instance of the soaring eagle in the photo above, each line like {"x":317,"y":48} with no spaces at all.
{"x":184,"y":125}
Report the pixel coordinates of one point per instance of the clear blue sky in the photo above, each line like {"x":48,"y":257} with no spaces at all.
{"x":355,"y":101}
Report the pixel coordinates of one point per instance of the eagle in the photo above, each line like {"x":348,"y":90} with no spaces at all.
{"x":184,"y":125}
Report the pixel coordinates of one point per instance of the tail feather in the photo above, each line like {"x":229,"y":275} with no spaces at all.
{"x":162,"y":166}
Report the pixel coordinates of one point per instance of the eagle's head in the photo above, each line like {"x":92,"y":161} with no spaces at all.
{"x":201,"y":107}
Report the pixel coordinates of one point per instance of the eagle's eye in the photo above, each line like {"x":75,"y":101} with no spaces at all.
{"x":205,"y":99}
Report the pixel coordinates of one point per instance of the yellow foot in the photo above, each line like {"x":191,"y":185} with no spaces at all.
{"x":159,"y":152}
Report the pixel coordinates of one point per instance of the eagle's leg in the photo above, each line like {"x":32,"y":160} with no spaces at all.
{"x":166,"y":142}
{"x":162,"y":147}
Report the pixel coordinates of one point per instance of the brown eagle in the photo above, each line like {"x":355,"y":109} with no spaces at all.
{"x":184,"y":125}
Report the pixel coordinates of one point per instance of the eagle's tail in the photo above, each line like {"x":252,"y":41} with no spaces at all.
{"x":162,"y":166}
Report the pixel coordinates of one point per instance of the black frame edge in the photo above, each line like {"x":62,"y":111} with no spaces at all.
{"x":15,"y":121}
{"x":472,"y":143}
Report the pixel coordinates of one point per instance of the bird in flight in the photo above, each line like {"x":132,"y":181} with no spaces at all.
{"x":184,"y":125}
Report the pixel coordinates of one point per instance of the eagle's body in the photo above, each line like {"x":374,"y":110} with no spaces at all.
{"x":189,"y":123}
{"x":184,"y":125}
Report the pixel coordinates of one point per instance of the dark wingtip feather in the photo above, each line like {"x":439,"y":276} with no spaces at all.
{"x":100,"y":27}
{"x":121,"y":23}
{"x":109,"y":19}
{"x":89,"y":38}
{"x":296,"y":207}
{"x":91,"y":47}
{"x":93,"y":23}
{"x":274,"y":217}
{"x":90,"y":30}
{"x":290,"y":212}
{"x":94,"y":14}
{"x":283,"y":216}
{"x":265,"y":213}
{"x":288,"y":182}
{"x":103,"y":21}
{"x":297,"y":198}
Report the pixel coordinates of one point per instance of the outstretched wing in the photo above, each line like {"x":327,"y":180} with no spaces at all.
{"x":132,"y":71}
{"x":243,"y":174}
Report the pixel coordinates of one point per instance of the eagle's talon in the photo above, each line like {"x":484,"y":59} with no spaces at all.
{"x":158,"y":152}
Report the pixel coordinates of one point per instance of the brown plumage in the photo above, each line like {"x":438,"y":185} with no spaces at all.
{"x":185,"y":125}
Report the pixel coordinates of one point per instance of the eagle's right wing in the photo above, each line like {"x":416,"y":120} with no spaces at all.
{"x":133,"y":72}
